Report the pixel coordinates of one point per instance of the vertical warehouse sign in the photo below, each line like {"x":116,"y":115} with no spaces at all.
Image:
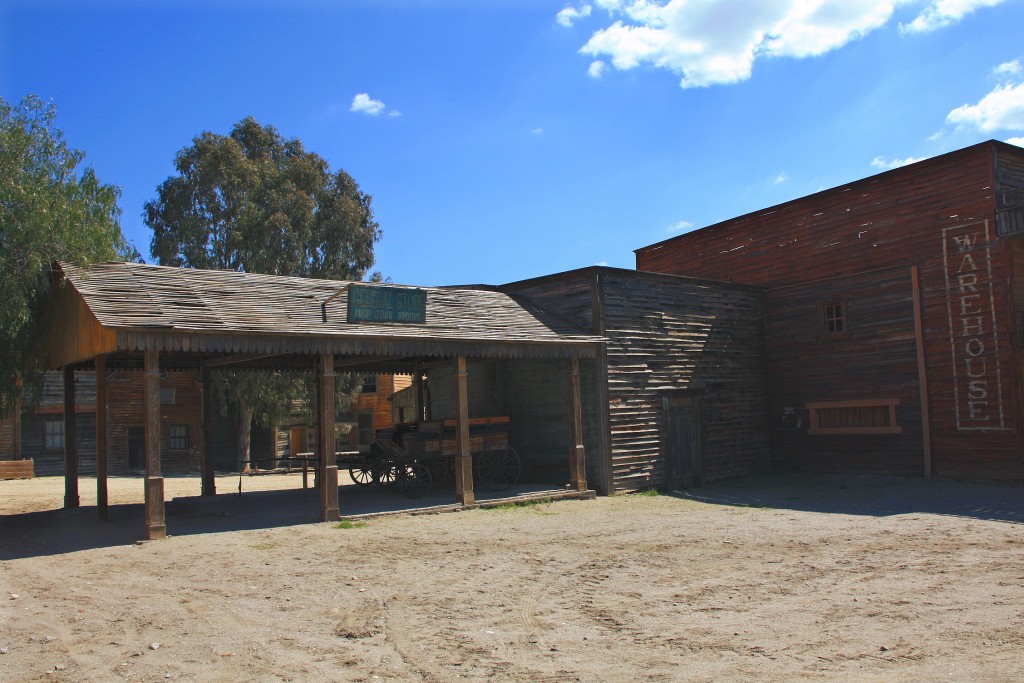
{"x":973,"y":336}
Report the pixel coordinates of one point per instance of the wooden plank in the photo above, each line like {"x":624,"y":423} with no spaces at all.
{"x":328,"y":479}
{"x":101,"y":438}
{"x":207,"y":465}
{"x":71,"y":499}
{"x":156,"y":527}
{"x":463,"y":457}
{"x":577,"y":462}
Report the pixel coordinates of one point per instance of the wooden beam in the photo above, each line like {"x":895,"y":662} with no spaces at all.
{"x":606,"y":481}
{"x":329,"y":509}
{"x":17,"y":426}
{"x":156,"y":527}
{"x":577,"y":460}
{"x":463,"y":458}
{"x":237,"y":358}
{"x":209,"y":485}
{"x":101,"y":438}
{"x":922,"y":375}
{"x":418,"y":380}
{"x":71,"y":499}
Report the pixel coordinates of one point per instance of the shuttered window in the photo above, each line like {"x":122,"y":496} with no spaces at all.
{"x":872,"y":416}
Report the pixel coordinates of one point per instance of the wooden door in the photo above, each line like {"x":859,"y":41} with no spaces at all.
{"x":136,"y":448}
{"x":681,"y":440}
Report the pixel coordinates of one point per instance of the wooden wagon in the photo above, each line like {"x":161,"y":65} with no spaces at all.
{"x":413,"y":456}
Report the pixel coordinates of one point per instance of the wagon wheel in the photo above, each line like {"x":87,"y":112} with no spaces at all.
{"x":386,"y":471}
{"x":442,"y":469}
{"x":413,"y":478}
{"x":364,"y":474}
{"x":498,"y":468}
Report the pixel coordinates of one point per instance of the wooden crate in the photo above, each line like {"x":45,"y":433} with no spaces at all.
{"x":16,"y":469}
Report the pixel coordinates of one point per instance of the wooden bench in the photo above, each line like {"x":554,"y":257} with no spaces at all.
{"x":16,"y":469}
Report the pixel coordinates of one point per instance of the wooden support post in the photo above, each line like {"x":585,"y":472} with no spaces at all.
{"x":209,"y":485}
{"x":71,"y":499}
{"x":156,"y":527}
{"x":101,"y":438}
{"x":463,"y":458}
{"x":17,"y":425}
{"x":329,"y":509}
{"x":421,"y":413}
{"x":577,"y":461}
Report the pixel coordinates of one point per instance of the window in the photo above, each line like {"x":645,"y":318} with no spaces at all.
{"x":178,"y":440}
{"x":369,"y":384}
{"x":54,"y":435}
{"x":875,"y":416}
{"x":833,"y":319}
{"x":167,"y":397}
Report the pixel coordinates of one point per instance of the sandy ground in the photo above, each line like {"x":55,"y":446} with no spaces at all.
{"x":770,"y":578}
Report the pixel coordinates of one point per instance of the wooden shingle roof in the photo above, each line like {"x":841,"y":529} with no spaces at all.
{"x":181,"y":309}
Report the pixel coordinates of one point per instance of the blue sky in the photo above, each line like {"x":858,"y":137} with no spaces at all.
{"x":505,"y":139}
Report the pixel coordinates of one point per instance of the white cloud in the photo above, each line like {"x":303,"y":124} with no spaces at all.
{"x":1001,"y":109}
{"x":601,"y":263}
{"x":570,"y":15}
{"x":941,"y":13}
{"x":709,"y":42}
{"x":596,"y":68}
{"x":394,"y":113}
{"x":681,"y":226}
{"x":1015,"y":141}
{"x":781,"y":178}
{"x":1009,"y":70}
{"x":885,"y":165}
{"x":364,"y":104}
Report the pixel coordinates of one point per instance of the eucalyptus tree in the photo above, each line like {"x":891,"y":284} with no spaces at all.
{"x":257,"y":202}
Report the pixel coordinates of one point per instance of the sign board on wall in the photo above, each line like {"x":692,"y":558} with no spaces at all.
{"x":383,"y":304}
{"x":973,"y":335}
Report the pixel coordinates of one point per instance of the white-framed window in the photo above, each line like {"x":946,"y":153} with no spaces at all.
{"x":54,"y":435}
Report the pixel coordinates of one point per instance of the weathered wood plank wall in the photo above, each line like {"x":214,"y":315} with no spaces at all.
{"x":938,"y":215}
{"x":666,"y":334}
{"x":813,"y":367}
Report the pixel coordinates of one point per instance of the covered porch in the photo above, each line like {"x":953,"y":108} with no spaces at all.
{"x":155,"y":319}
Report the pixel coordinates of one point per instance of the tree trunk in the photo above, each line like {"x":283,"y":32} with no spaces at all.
{"x":244,"y":432}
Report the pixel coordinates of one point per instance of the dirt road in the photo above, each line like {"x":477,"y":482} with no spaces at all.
{"x":771,"y":578}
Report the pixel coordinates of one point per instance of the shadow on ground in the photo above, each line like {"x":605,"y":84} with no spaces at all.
{"x":58,"y":531}
{"x":866,"y":495}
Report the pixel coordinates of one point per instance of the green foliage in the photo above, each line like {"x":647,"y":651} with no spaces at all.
{"x":49,"y":211}
{"x":348,"y":524}
{"x":254,"y":201}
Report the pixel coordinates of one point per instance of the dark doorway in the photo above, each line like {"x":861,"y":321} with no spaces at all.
{"x":681,"y":440}
{"x":136,"y":449}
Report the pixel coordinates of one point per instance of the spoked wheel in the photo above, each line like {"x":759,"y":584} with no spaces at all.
{"x":413,"y":479}
{"x":386,"y":471}
{"x":498,"y":468}
{"x":363,"y":475}
{"x":442,"y":470}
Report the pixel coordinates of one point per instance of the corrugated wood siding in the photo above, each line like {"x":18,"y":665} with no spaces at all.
{"x":125,"y":410}
{"x":812,"y":367}
{"x":82,"y":336}
{"x":668,"y":336}
{"x":901,"y":218}
{"x":51,"y":462}
{"x":7,"y":425}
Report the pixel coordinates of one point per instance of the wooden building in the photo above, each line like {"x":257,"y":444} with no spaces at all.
{"x":894,"y":315}
{"x":125,"y":316}
{"x":677,"y":395}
